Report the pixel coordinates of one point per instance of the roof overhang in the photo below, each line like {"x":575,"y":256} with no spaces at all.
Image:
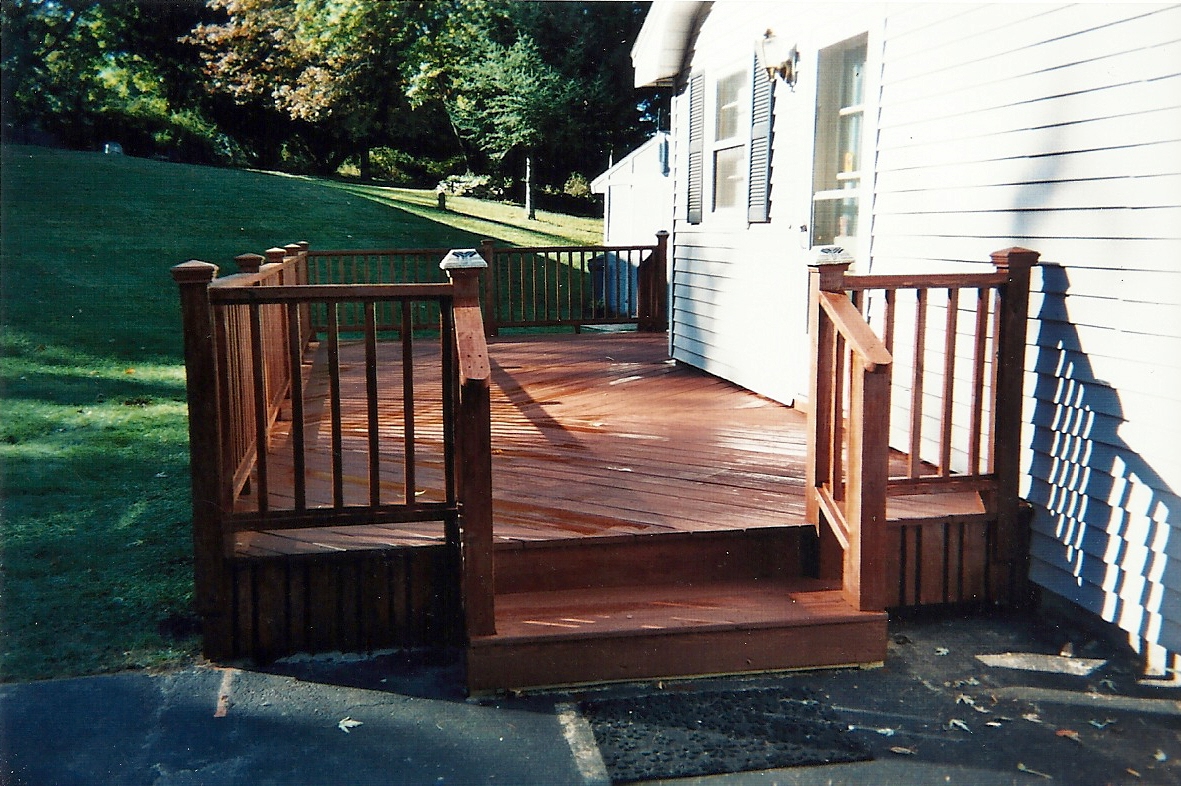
{"x":659,"y":52}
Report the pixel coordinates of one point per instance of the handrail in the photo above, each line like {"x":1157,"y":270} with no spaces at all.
{"x":855,"y":330}
{"x":977,"y":412}
{"x":851,"y":498}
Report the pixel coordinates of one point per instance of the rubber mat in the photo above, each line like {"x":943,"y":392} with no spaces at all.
{"x":682,"y":734}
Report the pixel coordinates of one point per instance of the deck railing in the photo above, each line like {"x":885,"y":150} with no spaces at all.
{"x":931,"y":366}
{"x":575,"y":286}
{"x":523,"y":287}
{"x":246,"y":337}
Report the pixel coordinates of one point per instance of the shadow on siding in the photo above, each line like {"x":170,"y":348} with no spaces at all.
{"x":1102,"y":514}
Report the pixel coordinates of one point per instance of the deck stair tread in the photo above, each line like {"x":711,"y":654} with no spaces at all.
{"x":652,"y":609}
{"x":935,"y":507}
{"x":658,"y":631}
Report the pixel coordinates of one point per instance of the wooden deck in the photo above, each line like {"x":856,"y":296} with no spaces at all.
{"x":594,"y":436}
{"x":648,"y":521}
{"x":581,"y":509}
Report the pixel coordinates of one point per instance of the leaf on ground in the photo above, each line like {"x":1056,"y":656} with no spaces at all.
{"x":901,"y":751}
{"x":1069,"y":734}
{"x":942,"y":651}
{"x":1101,"y":724}
{"x":956,"y":723}
{"x":348,"y":724}
{"x":1032,"y":717}
{"x":1021,"y":767}
{"x":1160,"y":755}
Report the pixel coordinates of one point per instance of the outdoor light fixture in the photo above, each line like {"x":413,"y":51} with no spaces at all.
{"x":779,"y":58}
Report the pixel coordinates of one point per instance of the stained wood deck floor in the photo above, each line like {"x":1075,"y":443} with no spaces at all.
{"x":593,"y":436}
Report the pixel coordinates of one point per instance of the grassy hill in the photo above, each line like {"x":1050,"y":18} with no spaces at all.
{"x":94,"y":496}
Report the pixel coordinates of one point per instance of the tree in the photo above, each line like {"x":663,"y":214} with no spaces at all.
{"x":507,"y":99}
{"x":330,"y":68}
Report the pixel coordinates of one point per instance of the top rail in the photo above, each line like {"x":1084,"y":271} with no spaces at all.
{"x":853,"y":328}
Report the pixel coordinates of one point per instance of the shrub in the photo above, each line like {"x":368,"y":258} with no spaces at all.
{"x":471,"y":184}
{"x":577,"y":186}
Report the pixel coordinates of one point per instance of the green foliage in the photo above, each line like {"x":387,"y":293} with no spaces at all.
{"x":577,"y":186}
{"x":94,"y":487}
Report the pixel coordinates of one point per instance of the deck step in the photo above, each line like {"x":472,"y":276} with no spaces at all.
{"x":759,"y":554}
{"x":623,"y":633}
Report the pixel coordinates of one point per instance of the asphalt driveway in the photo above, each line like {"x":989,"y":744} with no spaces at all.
{"x":970,"y":701}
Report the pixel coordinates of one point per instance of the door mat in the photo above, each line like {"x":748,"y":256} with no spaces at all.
{"x":679,"y":735}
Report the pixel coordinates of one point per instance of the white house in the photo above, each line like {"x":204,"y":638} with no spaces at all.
{"x":637,"y":194}
{"x":922,"y":137}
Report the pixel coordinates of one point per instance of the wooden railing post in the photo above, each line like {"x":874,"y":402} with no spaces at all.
{"x":491,"y":306}
{"x":864,"y":579}
{"x":653,"y":288}
{"x":211,"y":577}
{"x":1010,"y":555}
{"x":823,"y":277}
{"x":474,"y":448}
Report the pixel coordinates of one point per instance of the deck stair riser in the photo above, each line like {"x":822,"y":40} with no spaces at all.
{"x":592,"y":610}
{"x":623,"y":633}
{"x":679,"y":557}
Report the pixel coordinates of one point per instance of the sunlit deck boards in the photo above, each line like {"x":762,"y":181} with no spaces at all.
{"x":592,"y":435}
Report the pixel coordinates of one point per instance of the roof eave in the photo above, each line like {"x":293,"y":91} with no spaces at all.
{"x":659,"y":52}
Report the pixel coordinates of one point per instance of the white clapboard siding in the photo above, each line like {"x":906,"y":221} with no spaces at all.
{"x":1059,"y":129}
{"x":1052,"y":127}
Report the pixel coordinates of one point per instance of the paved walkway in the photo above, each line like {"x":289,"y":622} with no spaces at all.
{"x":409,"y":724}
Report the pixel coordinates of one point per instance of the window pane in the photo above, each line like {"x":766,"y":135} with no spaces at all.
{"x":729,"y":177}
{"x":850,"y":144}
{"x":729,"y":106}
{"x":834,"y":220}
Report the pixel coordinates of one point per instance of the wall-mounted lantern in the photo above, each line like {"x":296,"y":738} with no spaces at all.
{"x":779,"y":58}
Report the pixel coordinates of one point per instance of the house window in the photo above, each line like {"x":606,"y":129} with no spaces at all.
{"x":743,"y":110}
{"x":730,"y":138}
{"x":836,"y":174}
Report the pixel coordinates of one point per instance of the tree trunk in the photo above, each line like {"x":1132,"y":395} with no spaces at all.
{"x":366,"y":163}
{"x":530,"y":210}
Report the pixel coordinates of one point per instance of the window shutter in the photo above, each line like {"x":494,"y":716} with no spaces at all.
{"x":696,"y":174}
{"x":758,"y":205}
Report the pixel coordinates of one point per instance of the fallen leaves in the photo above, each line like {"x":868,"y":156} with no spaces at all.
{"x":1030,"y":771}
{"x":347,"y":724}
{"x":956,"y":723}
{"x":1069,"y":734}
{"x":901,"y":751}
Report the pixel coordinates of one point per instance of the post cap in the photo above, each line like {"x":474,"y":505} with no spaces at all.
{"x":194,"y":272}
{"x":463,"y":259}
{"x":249,"y":263}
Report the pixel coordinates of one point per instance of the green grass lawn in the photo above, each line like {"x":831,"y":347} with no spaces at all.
{"x":96,"y":571}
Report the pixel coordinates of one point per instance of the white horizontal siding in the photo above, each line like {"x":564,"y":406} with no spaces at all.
{"x":1059,"y":129}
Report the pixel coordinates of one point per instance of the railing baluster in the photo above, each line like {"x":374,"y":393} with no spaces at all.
{"x":996,"y":361}
{"x":373,"y":422}
{"x":410,"y":476}
{"x":914,"y":461}
{"x":335,"y":406}
{"x":949,"y":342}
{"x":258,"y":367}
{"x":295,"y":353}
{"x":979,"y":347}
{"x":450,"y":395}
